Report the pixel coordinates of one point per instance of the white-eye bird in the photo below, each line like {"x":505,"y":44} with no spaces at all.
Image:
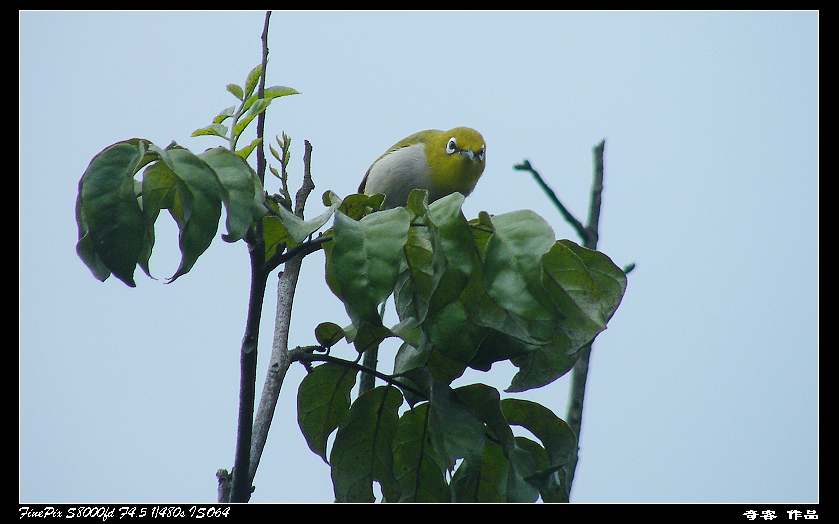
{"x":440,"y":162}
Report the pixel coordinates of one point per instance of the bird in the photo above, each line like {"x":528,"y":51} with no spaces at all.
{"x":441,"y":162}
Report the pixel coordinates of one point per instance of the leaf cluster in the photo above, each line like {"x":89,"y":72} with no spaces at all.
{"x":126,"y":185}
{"x":468,"y":294}
{"x":116,"y":213}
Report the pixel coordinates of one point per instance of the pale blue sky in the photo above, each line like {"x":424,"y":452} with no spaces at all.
{"x":703,"y":389}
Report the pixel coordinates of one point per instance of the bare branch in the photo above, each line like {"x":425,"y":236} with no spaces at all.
{"x":571,"y":219}
{"x":279,"y":363}
{"x":280,"y":359}
{"x":579,"y":373}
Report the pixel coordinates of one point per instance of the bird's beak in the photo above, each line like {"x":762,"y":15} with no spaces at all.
{"x":468,"y":154}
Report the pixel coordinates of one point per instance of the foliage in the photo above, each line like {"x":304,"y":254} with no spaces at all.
{"x":116,"y":213}
{"x":468,"y":294}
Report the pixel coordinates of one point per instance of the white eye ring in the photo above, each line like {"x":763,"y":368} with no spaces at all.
{"x":451,"y":147}
{"x":481,"y":153}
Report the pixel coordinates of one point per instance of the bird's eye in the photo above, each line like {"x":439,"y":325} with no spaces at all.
{"x":451,"y":147}
{"x":481,"y":153}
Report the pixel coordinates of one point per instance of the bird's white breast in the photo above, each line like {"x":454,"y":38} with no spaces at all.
{"x":397,"y":173}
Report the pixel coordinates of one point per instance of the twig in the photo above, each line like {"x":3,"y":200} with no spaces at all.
{"x":306,"y":355}
{"x":302,"y":250}
{"x":308,"y":185}
{"x":260,"y":119}
{"x":596,"y":197}
{"x":579,"y":373}
{"x":576,"y":224}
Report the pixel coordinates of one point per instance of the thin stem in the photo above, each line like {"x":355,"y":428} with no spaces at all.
{"x":302,"y":250}
{"x":305,"y":355}
{"x":260,"y":119}
{"x":596,"y":197}
{"x":576,"y":224}
{"x":579,"y":373}
{"x":370,"y":360}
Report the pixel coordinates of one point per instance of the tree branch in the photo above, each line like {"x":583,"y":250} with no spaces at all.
{"x":279,"y":363}
{"x":576,"y":224}
{"x":579,"y":373}
{"x":280,"y":360}
{"x":241,"y":486}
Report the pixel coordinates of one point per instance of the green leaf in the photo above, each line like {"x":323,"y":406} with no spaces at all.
{"x":361,"y":453}
{"x":224,"y":115}
{"x":246,"y":151}
{"x":258,"y":105}
{"x":236,"y":90}
{"x":452,"y":340}
{"x":328,"y":334}
{"x":482,"y":230}
{"x":550,"y":483}
{"x":522,"y":467}
{"x":278,"y":91}
{"x":611,"y":280}
{"x":245,"y":198}
{"x":219,"y":130}
{"x":300,"y":229}
{"x":418,"y":277}
{"x":252,"y":81}
{"x":85,"y":248}
{"x":323,"y":402}
{"x":369,"y":336}
{"x":489,"y":476}
{"x":482,"y":479}
{"x":586,"y":291}
{"x":198,"y":228}
{"x":575,"y":294}
{"x":513,"y":270}
{"x":242,"y":124}
{"x":555,"y":434}
{"x":420,"y":472}
{"x":446,"y":222}
{"x":162,"y":189}
{"x":357,"y":206}
{"x":456,"y":431}
{"x":110,"y":220}
{"x":363,"y":261}
{"x":270,"y":94}
{"x":542,"y":364}
{"x":497,"y":346}
{"x":486,"y":402}
{"x":275,"y":234}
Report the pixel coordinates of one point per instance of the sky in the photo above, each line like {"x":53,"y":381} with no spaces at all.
{"x":703,"y":389}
